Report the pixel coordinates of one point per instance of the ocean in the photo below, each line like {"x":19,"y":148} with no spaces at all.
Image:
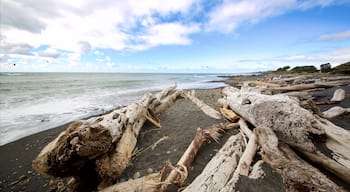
{"x":34,"y":102}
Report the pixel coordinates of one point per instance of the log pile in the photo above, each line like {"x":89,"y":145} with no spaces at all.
{"x":280,"y":126}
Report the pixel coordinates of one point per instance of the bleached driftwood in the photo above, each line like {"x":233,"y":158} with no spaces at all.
{"x":228,"y":113}
{"x":339,"y":95}
{"x":146,"y":183}
{"x":220,"y":168}
{"x":201,"y":105}
{"x":257,"y":170}
{"x":293,"y":125}
{"x":172,"y":174}
{"x":260,"y":84}
{"x":296,"y":173}
{"x":111,"y":165}
{"x":316,"y":85}
{"x":91,"y":139}
{"x":245,"y":160}
{"x":337,"y":78}
{"x":176,"y":175}
{"x":335,"y":111}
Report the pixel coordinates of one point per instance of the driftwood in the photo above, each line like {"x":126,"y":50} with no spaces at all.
{"x":111,"y":165}
{"x":245,"y":160}
{"x":302,"y":87}
{"x":335,"y":111}
{"x":219,"y":169}
{"x":108,"y":140}
{"x":260,"y":84}
{"x":172,"y":174}
{"x":296,"y":173}
{"x":293,"y":125}
{"x":339,"y":95}
{"x":202,"y":106}
{"x":228,"y":113}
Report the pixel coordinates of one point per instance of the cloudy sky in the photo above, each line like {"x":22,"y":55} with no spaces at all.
{"x":230,"y":36}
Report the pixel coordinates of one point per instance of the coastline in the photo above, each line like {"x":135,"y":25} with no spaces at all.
{"x":179,"y":123}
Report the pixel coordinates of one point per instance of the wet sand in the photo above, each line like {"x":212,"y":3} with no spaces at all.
{"x":178,"y":123}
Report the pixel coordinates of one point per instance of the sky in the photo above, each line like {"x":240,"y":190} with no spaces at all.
{"x":167,"y":36}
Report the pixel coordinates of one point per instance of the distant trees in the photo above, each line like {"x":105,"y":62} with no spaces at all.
{"x":304,"y":69}
{"x":285,"y":68}
{"x":342,"y":69}
{"x":325,"y":68}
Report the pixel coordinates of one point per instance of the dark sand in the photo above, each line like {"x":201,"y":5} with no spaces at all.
{"x":178,"y":123}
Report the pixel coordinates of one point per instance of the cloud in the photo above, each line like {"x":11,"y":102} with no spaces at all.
{"x":336,"y":36}
{"x":333,"y":56}
{"x":84,"y":46}
{"x":49,"y":53}
{"x":231,"y":14}
{"x":16,"y":48}
{"x":26,"y":15}
{"x":165,"y":34}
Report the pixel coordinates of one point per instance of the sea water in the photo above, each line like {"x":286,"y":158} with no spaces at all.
{"x":34,"y":102}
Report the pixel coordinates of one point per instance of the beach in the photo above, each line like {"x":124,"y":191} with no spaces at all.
{"x":179,"y":124}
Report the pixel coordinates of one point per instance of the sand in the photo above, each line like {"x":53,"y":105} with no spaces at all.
{"x":178,"y":123}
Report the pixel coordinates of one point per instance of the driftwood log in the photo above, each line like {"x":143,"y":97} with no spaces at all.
{"x":339,"y":95}
{"x":220,"y":168}
{"x":108,"y":140}
{"x":295,"y":126}
{"x":296,"y":173}
{"x":335,"y":111}
{"x":172,"y":174}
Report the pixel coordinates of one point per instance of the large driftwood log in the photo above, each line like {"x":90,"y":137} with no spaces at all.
{"x":111,"y":165}
{"x":172,"y":174}
{"x":220,"y":168}
{"x":335,"y":111}
{"x":246,"y":159}
{"x":91,"y":139}
{"x":296,"y":173}
{"x":201,"y":105}
{"x":301,"y":87}
{"x":293,"y":125}
{"x":339,"y":95}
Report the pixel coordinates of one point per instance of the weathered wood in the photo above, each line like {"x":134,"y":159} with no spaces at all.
{"x":296,"y":173}
{"x":335,"y":111}
{"x":111,"y":165}
{"x":293,"y":125}
{"x":339,"y":95}
{"x":316,"y":85}
{"x":178,"y":176}
{"x":108,"y":139}
{"x":220,"y":168}
{"x":147,"y":183}
{"x":260,"y":84}
{"x":201,"y":105}
{"x":228,"y":113}
{"x":173,"y":174}
{"x":257,"y":171}
{"x":243,"y":164}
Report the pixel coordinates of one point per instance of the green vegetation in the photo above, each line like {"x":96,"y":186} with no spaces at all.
{"x":342,"y":69}
{"x":304,"y":69}
{"x":325,"y":69}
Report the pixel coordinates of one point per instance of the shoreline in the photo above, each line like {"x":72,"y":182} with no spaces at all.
{"x":178,"y":122}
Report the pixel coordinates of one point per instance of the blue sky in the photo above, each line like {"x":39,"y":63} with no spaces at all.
{"x":226,"y":36}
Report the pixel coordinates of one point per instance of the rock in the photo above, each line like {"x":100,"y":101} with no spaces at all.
{"x":136,"y":175}
{"x":149,"y":170}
